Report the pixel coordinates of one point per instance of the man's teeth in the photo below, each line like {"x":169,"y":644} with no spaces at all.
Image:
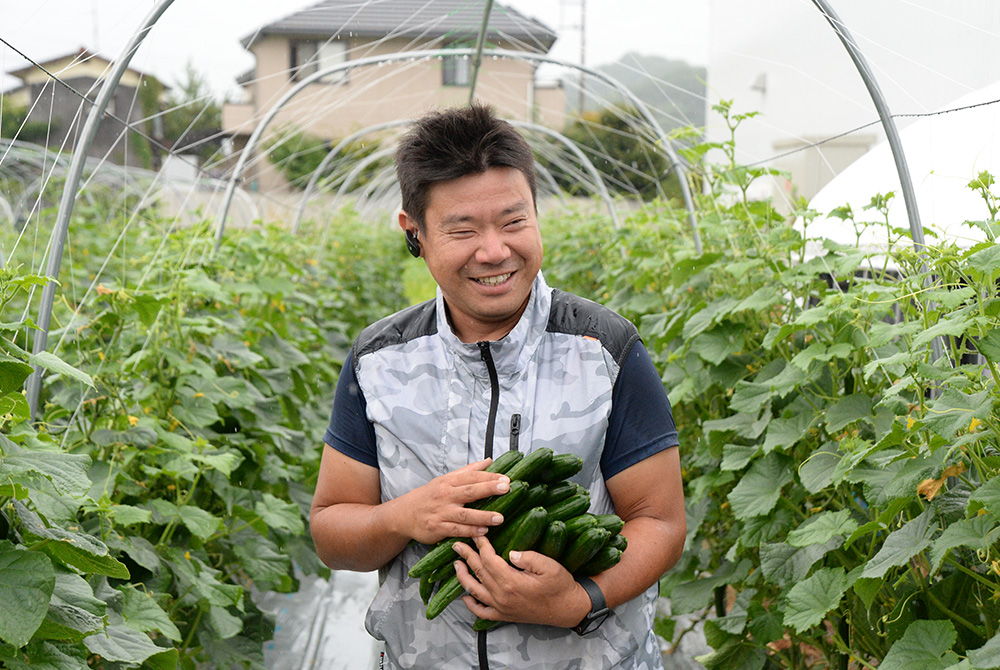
{"x":493,"y":281}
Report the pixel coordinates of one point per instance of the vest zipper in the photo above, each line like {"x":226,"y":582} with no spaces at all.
{"x":491,"y":421}
{"x":515,"y":431}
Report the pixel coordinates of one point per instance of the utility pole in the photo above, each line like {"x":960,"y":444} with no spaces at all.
{"x":573,"y":18}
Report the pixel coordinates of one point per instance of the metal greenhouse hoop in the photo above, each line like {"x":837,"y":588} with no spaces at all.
{"x":289,"y":95}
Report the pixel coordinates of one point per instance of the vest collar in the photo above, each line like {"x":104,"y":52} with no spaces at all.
{"x":512,"y":352}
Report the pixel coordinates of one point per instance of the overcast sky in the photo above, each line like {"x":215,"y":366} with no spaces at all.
{"x":207,"y":32}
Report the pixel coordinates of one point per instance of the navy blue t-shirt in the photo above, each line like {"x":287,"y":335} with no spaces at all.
{"x":641,"y":422}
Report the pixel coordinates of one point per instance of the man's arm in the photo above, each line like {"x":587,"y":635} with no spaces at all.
{"x":648,"y":496}
{"x":353,"y":530}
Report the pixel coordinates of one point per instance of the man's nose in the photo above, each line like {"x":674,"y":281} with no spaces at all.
{"x":493,"y":249}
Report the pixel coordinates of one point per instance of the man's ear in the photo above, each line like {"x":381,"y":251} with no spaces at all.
{"x":410,"y":228}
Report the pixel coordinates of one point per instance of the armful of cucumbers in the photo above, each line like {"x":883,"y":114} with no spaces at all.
{"x":542,"y":511}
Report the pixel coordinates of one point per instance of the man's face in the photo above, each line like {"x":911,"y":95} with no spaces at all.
{"x":482,"y":245}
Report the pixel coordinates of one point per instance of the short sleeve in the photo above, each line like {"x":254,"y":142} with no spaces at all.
{"x":350,"y":432}
{"x":641,"y":422}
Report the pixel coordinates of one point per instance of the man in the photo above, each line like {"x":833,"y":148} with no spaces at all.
{"x":497,"y":361}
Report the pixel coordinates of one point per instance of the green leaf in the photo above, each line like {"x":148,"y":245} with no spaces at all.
{"x":195,"y":412}
{"x":925,"y":644}
{"x":986,"y":657}
{"x":735,"y":654}
{"x":120,"y":643}
{"x":822,"y":528}
{"x":223,"y":623}
{"x":201,"y":523}
{"x":54,"y":364}
{"x":786,"y":431}
{"x":759,"y":489}
{"x":267,"y":567}
{"x":79,"y":550}
{"x":979,"y":532}
{"x":277,"y":513}
{"x":719,"y":343}
{"x":867,"y":589}
{"x":808,"y":602}
{"x":762,"y":298}
{"x":902,"y":545}
{"x":27,"y":580}
{"x":986,"y":497}
{"x":736,"y":456}
{"x":950,"y":327}
{"x":74,"y":611}
{"x":707,"y":317}
{"x":985,"y":260}
{"x":849,"y":409}
{"x":44,"y":656}
{"x":816,"y":472}
{"x":143,"y":614}
{"x":12,"y":374}
{"x":783,"y":564}
{"x":954,"y":411}
{"x":67,"y":472}
{"x":989,"y":345}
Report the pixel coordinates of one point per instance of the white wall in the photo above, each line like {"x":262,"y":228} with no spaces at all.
{"x":925,"y":53}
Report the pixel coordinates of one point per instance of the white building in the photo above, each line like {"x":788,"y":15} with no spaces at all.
{"x":782,"y":59}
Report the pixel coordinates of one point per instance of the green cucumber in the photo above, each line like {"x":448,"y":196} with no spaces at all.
{"x":563,"y":466}
{"x":610,"y":522}
{"x":531,"y":468}
{"x":448,"y":591}
{"x":605,"y":558}
{"x":523,"y":534}
{"x":444,"y":572}
{"x":485,"y":624}
{"x":578,"y":524}
{"x":426,"y":588}
{"x":505,"y":461}
{"x":554,"y":540}
{"x":503,"y":502}
{"x":571,"y":507}
{"x":559,"y":492}
{"x":618,"y":542}
{"x":534,"y":498}
{"x":584,"y":547}
{"x":441,"y":554}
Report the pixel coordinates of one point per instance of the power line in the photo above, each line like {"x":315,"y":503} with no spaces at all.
{"x":914,"y":115}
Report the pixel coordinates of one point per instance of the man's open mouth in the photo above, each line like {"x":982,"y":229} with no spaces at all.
{"x":495,"y":280}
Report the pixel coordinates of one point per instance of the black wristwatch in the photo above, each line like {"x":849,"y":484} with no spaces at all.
{"x":598,"y":608}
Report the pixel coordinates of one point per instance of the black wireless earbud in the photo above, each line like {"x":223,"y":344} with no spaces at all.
{"x":412,"y":245}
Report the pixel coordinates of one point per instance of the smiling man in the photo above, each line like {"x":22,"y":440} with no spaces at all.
{"x":498,"y":361}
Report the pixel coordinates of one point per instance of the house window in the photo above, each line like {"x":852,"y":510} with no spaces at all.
{"x":456,"y":71}
{"x":307,"y":57}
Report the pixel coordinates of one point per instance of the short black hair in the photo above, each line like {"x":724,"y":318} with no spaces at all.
{"x":453,"y":143}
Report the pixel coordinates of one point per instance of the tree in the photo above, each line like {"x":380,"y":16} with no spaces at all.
{"x":615,"y":142}
{"x":192,"y":123}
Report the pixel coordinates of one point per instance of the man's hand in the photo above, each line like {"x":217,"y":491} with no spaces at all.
{"x":537,"y":589}
{"x":436,"y":510}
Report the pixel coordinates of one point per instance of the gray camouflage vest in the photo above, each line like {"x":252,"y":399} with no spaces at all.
{"x":429,"y":397}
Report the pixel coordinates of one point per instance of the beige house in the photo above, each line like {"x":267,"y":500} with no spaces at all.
{"x":336,"y":32}
{"x":64,"y":112}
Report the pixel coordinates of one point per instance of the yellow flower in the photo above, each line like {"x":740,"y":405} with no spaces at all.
{"x":199,"y":394}
{"x":974,"y":424}
{"x":909,"y":422}
{"x":133,"y":420}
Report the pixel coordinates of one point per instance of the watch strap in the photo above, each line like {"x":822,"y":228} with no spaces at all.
{"x":598,"y":608}
{"x":597,"y":601}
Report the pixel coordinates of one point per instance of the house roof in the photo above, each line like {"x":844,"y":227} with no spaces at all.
{"x":79,"y":56}
{"x":457,"y":20}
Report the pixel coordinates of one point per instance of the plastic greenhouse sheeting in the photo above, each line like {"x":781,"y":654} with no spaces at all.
{"x":322,"y":626}
{"x":944,"y":153}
